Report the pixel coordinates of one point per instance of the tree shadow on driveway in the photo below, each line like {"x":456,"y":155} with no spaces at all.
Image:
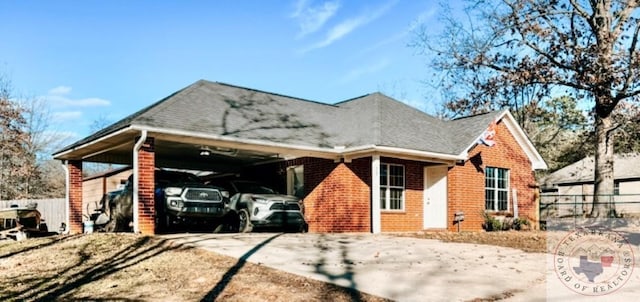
{"x":224,"y":281}
{"x":347,"y":270}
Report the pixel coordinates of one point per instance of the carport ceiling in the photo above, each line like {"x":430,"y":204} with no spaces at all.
{"x":187,"y":155}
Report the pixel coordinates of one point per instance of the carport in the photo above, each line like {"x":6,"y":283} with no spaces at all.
{"x":145,"y":148}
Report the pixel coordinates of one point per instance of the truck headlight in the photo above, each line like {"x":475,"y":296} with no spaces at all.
{"x":172,"y":191}
{"x":175,"y":203}
{"x":225,"y":194}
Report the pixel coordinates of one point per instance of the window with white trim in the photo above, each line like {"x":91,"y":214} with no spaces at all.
{"x":496,"y":189}
{"x":391,"y":187}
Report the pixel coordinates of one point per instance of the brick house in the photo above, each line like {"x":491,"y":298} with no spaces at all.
{"x":368,"y":164}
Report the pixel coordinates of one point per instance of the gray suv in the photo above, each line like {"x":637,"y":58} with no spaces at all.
{"x":181,"y":198}
{"x":262,"y":207}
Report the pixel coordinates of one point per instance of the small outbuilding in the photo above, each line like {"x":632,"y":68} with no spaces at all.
{"x":573,"y":185}
{"x":368,"y":164}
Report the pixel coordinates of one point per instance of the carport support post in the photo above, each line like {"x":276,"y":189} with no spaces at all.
{"x":375,"y":195}
{"x":74,"y":196}
{"x":144,"y":182}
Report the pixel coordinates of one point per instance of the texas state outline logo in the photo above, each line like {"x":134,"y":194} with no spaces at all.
{"x":594,"y":262}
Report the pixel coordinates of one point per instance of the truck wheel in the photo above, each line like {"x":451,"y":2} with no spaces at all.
{"x":244,"y":224}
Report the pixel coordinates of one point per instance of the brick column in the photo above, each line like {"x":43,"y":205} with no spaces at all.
{"x":75,"y":196}
{"x":146,"y":181}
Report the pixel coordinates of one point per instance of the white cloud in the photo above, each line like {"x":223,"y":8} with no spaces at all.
{"x":65,"y":116}
{"x":346,"y":27}
{"x":354,"y":74}
{"x":312,"y":18}
{"x":422,"y":18}
{"x":58,"y":97}
{"x":62,"y":101}
{"x":60,"y":90}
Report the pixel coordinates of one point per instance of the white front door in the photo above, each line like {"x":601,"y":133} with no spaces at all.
{"x":435,"y":197}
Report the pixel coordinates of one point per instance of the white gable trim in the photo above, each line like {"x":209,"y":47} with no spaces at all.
{"x":537,"y":162}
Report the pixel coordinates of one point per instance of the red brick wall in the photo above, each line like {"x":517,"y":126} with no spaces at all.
{"x":146,"y":169}
{"x":75,"y":196}
{"x":411,"y":218}
{"x":466,"y":181}
{"x":338,"y":195}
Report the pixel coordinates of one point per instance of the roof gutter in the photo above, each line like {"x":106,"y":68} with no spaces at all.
{"x":219,"y":138}
{"x":328,"y":152}
{"x":136,"y":180}
{"x":112,"y":134}
{"x":355,"y":151}
{"x":334,"y":152}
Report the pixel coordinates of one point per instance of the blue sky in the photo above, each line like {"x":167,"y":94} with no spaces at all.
{"x":92,"y":60}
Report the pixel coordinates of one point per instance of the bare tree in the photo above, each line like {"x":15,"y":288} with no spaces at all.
{"x":26,"y":141}
{"x":584,"y":49}
{"x":14,"y":158}
{"x":42,"y":140}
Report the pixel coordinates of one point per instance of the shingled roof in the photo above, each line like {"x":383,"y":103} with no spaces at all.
{"x":625,"y":166}
{"x":240,"y":113}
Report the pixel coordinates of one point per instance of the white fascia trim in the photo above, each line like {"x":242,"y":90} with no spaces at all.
{"x":350,"y":152}
{"x":112,"y":134}
{"x":329,"y":152}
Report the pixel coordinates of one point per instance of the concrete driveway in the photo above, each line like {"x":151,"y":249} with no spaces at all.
{"x":402,"y":269}
{"x":410,"y":269}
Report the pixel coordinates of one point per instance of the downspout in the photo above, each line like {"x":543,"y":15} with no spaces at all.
{"x":67,"y":206}
{"x":136,"y":178}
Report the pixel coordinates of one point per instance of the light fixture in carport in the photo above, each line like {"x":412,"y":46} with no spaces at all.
{"x":207,"y":151}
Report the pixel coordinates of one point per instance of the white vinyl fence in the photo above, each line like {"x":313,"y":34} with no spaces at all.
{"x":52,"y":210}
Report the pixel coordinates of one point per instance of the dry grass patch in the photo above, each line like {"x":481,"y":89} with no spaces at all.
{"x":130,"y":267}
{"x":528,"y":241}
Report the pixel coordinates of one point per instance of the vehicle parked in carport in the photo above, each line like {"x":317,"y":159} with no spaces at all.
{"x":258,"y":206}
{"x":181,"y":198}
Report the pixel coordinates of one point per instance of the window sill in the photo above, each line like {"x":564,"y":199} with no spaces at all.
{"x":393,"y":211}
{"x":499,"y":213}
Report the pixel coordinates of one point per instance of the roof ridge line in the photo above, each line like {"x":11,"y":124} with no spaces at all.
{"x":270,"y":93}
